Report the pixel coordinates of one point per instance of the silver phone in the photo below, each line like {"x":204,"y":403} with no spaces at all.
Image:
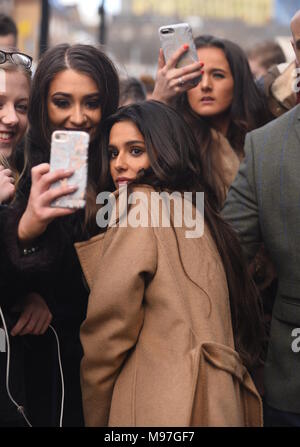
{"x":69,"y":151}
{"x":172,"y":37}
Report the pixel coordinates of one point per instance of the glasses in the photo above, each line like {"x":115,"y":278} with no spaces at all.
{"x":16,"y":58}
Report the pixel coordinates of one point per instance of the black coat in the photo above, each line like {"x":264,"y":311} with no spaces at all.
{"x":54,"y":272}
{"x":11,"y":292}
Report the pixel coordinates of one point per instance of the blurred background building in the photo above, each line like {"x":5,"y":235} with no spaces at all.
{"x":64,"y":23}
{"x":129,"y":28}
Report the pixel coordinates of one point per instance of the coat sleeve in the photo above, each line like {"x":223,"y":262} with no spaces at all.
{"x":241,"y":206}
{"x":115,"y":315}
{"x":51,"y":244}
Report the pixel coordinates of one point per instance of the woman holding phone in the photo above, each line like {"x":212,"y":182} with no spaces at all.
{"x":167,"y":340}
{"x":221,"y":109}
{"x":74,"y":88}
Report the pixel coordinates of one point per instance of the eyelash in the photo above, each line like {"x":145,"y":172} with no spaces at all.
{"x":20,"y":108}
{"x":93,"y":104}
{"x":114,"y":153}
{"x":61,"y":103}
{"x":64,"y":104}
{"x":136,"y":149}
{"x":219,"y":75}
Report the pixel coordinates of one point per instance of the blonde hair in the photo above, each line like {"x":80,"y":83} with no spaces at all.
{"x":11,"y":67}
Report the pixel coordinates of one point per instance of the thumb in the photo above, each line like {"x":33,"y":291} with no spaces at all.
{"x":161,"y":59}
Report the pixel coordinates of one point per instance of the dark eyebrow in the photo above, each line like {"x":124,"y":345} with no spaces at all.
{"x":68,"y":95}
{"x":61,"y":94}
{"x":135,"y":142}
{"x":92,"y":95}
{"x":128,"y":143}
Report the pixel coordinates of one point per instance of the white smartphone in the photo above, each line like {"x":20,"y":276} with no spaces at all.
{"x":172,"y":37}
{"x":69,"y":151}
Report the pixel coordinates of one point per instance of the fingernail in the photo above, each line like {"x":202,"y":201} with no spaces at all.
{"x":186,"y":46}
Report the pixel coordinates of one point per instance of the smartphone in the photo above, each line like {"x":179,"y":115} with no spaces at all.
{"x":172,"y":37}
{"x":69,"y":150}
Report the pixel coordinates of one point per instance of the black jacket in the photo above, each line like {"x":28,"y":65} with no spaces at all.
{"x":11,"y":292}
{"x":54,"y":272}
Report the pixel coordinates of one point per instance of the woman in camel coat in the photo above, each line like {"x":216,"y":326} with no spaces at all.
{"x":164,"y":338}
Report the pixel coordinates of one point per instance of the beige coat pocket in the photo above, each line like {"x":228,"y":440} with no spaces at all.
{"x":224,"y":394}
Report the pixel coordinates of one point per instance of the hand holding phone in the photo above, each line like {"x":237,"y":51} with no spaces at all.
{"x":39,"y":212}
{"x":69,"y":151}
{"x":178,"y":67}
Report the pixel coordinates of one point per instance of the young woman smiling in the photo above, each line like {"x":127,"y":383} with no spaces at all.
{"x":74,"y":102}
{"x":14,"y":97}
{"x":74,"y":88}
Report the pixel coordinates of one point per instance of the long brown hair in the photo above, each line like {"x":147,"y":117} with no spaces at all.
{"x":248,"y":110}
{"x":175,"y":166}
{"x":86,"y":59}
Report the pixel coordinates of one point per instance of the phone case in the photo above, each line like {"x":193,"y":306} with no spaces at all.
{"x":69,"y":150}
{"x":174,"y":36}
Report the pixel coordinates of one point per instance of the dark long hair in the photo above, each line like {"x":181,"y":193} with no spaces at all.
{"x":175,"y":166}
{"x":86,"y":59}
{"x":248,"y":110}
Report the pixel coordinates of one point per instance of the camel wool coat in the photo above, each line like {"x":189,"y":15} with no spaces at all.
{"x":157,"y":340}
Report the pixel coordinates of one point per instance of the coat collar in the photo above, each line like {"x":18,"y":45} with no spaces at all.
{"x":89,"y":253}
